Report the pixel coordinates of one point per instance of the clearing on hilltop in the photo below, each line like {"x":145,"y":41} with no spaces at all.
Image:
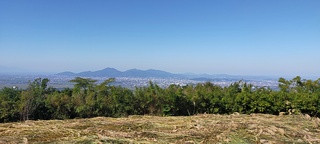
{"x":204,"y":128}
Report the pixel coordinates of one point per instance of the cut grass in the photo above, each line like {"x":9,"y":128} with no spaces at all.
{"x":205,"y":128}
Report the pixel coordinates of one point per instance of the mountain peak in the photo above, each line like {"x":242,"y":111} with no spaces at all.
{"x":67,"y":73}
{"x":109,"y":68}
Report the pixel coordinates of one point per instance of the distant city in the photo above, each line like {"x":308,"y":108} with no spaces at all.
{"x":136,"y":78}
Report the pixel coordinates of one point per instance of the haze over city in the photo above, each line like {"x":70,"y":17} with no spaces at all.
{"x":280,"y":38}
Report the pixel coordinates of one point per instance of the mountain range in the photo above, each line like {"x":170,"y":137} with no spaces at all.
{"x":112,"y":72}
{"x":136,"y":73}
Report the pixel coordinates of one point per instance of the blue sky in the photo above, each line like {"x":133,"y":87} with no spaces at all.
{"x":241,"y":37}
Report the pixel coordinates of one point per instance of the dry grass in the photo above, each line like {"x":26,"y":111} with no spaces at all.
{"x":206,"y":128}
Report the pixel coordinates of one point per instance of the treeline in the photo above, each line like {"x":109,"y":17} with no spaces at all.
{"x":89,"y":99}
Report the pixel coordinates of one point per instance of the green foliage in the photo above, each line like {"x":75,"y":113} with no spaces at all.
{"x":60,"y":105}
{"x":9,"y":102}
{"x":32,"y":101}
{"x":89,"y":99}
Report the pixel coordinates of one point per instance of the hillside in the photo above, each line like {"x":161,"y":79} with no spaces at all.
{"x":205,"y":128}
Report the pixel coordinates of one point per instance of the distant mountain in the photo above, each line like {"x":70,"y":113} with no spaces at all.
{"x":112,"y":72}
{"x":136,"y":73}
{"x":107,"y":72}
{"x":66,"y":74}
{"x":148,"y":73}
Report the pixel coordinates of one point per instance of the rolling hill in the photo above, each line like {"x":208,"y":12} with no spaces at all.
{"x":112,"y":72}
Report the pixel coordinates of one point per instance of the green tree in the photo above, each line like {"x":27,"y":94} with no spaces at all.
{"x":9,"y":104}
{"x":104,"y":100}
{"x":83,"y":96}
{"x":229,"y":98}
{"x":32,"y":101}
{"x":148,"y":100}
{"x":59,"y":105}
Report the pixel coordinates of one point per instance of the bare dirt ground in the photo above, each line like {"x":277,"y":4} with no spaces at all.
{"x":204,"y":128}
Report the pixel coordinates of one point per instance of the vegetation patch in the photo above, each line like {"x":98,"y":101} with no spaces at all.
{"x":87,"y":99}
{"x":202,"y":113}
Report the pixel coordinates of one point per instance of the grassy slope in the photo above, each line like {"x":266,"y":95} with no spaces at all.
{"x":206,"y":128}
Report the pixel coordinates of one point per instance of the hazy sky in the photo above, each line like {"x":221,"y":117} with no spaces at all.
{"x":244,"y":37}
